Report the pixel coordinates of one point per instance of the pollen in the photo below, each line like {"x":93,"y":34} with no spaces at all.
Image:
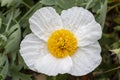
{"x":62,"y":43}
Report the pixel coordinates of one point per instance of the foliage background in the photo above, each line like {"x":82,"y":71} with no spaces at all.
{"x":14,"y":15}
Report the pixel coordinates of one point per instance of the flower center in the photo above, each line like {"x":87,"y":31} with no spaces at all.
{"x":62,"y":43}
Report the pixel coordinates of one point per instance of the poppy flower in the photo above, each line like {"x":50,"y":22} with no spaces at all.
{"x":65,"y":43}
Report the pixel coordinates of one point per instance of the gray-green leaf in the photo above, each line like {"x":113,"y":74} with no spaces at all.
{"x":14,"y":37}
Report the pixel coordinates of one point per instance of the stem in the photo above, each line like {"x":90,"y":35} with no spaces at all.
{"x":112,"y":69}
{"x":88,"y":4}
{"x":99,"y":73}
{"x":110,"y":8}
{"x":26,"y":4}
{"x":8,"y":24}
{"x":15,"y":21}
{"x":28,"y":12}
{"x":7,"y":12}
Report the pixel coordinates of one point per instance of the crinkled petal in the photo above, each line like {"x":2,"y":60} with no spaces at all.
{"x":52,"y":66}
{"x":44,"y":21}
{"x":88,"y":34}
{"x":82,"y":23}
{"x":32,"y":48}
{"x":76,"y":17}
{"x":86,"y":59}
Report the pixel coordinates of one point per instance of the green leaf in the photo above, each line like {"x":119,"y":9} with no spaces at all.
{"x":14,"y":56}
{"x":21,"y":62}
{"x":33,"y":9}
{"x":6,"y":2}
{"x":2,"y":59}
{"x":58,"y":77}
{"x":62,"y":77}
{"x":89,"y":3}
{"x":3,"y":41}
{"x":117,"y":28}
{"x":29,"y":2}
{"x":58,"y":9}
{"x":96,"y":6}
{"x":117,"y":20}
{"x":116,"y":51}
{"x":28,"y":14}
{"x":18,"y":75}
{"x":116,"y":44}
{"x":0,"y":22}
{"x":102,"y":13}
{"x":9,"y":3}
{"x":5,"y":69}
{"x":48,"y":2}
{"x":27,"y":31}
{"x":65,"y":4}
{"x":16,"y":13}
{"x":14,"y":37}
{"x":15,"y":3}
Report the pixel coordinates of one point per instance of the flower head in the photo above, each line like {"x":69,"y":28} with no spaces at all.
{"x":66,"y":43}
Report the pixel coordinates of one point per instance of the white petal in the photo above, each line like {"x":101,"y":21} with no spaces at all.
{"x":86,"y":59}
{"x":88,"y":34}
{"x":76,"y":17}
{"x":31,"y":48}
{"x":44,"y":21}
{"x":52,"y":66}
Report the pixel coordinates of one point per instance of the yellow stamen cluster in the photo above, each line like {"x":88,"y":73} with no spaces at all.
{"x":62,"y":43}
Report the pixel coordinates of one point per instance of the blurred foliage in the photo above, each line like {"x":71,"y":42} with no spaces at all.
{"x":14,"y":15}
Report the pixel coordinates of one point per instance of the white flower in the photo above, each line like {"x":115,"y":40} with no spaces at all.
{"x":66,"y":43}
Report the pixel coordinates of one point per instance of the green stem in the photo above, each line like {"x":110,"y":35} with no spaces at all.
{"x":28,"y":12}
{"x":7,"y":12}
{"x":112,"y":69}
{"x":15,"y":21}
{"x":100,"y":73}
{"x":8,"y":24}
{"x":26,"y":4}
{"x":88,"y":4}
{"x":110,"y":8}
